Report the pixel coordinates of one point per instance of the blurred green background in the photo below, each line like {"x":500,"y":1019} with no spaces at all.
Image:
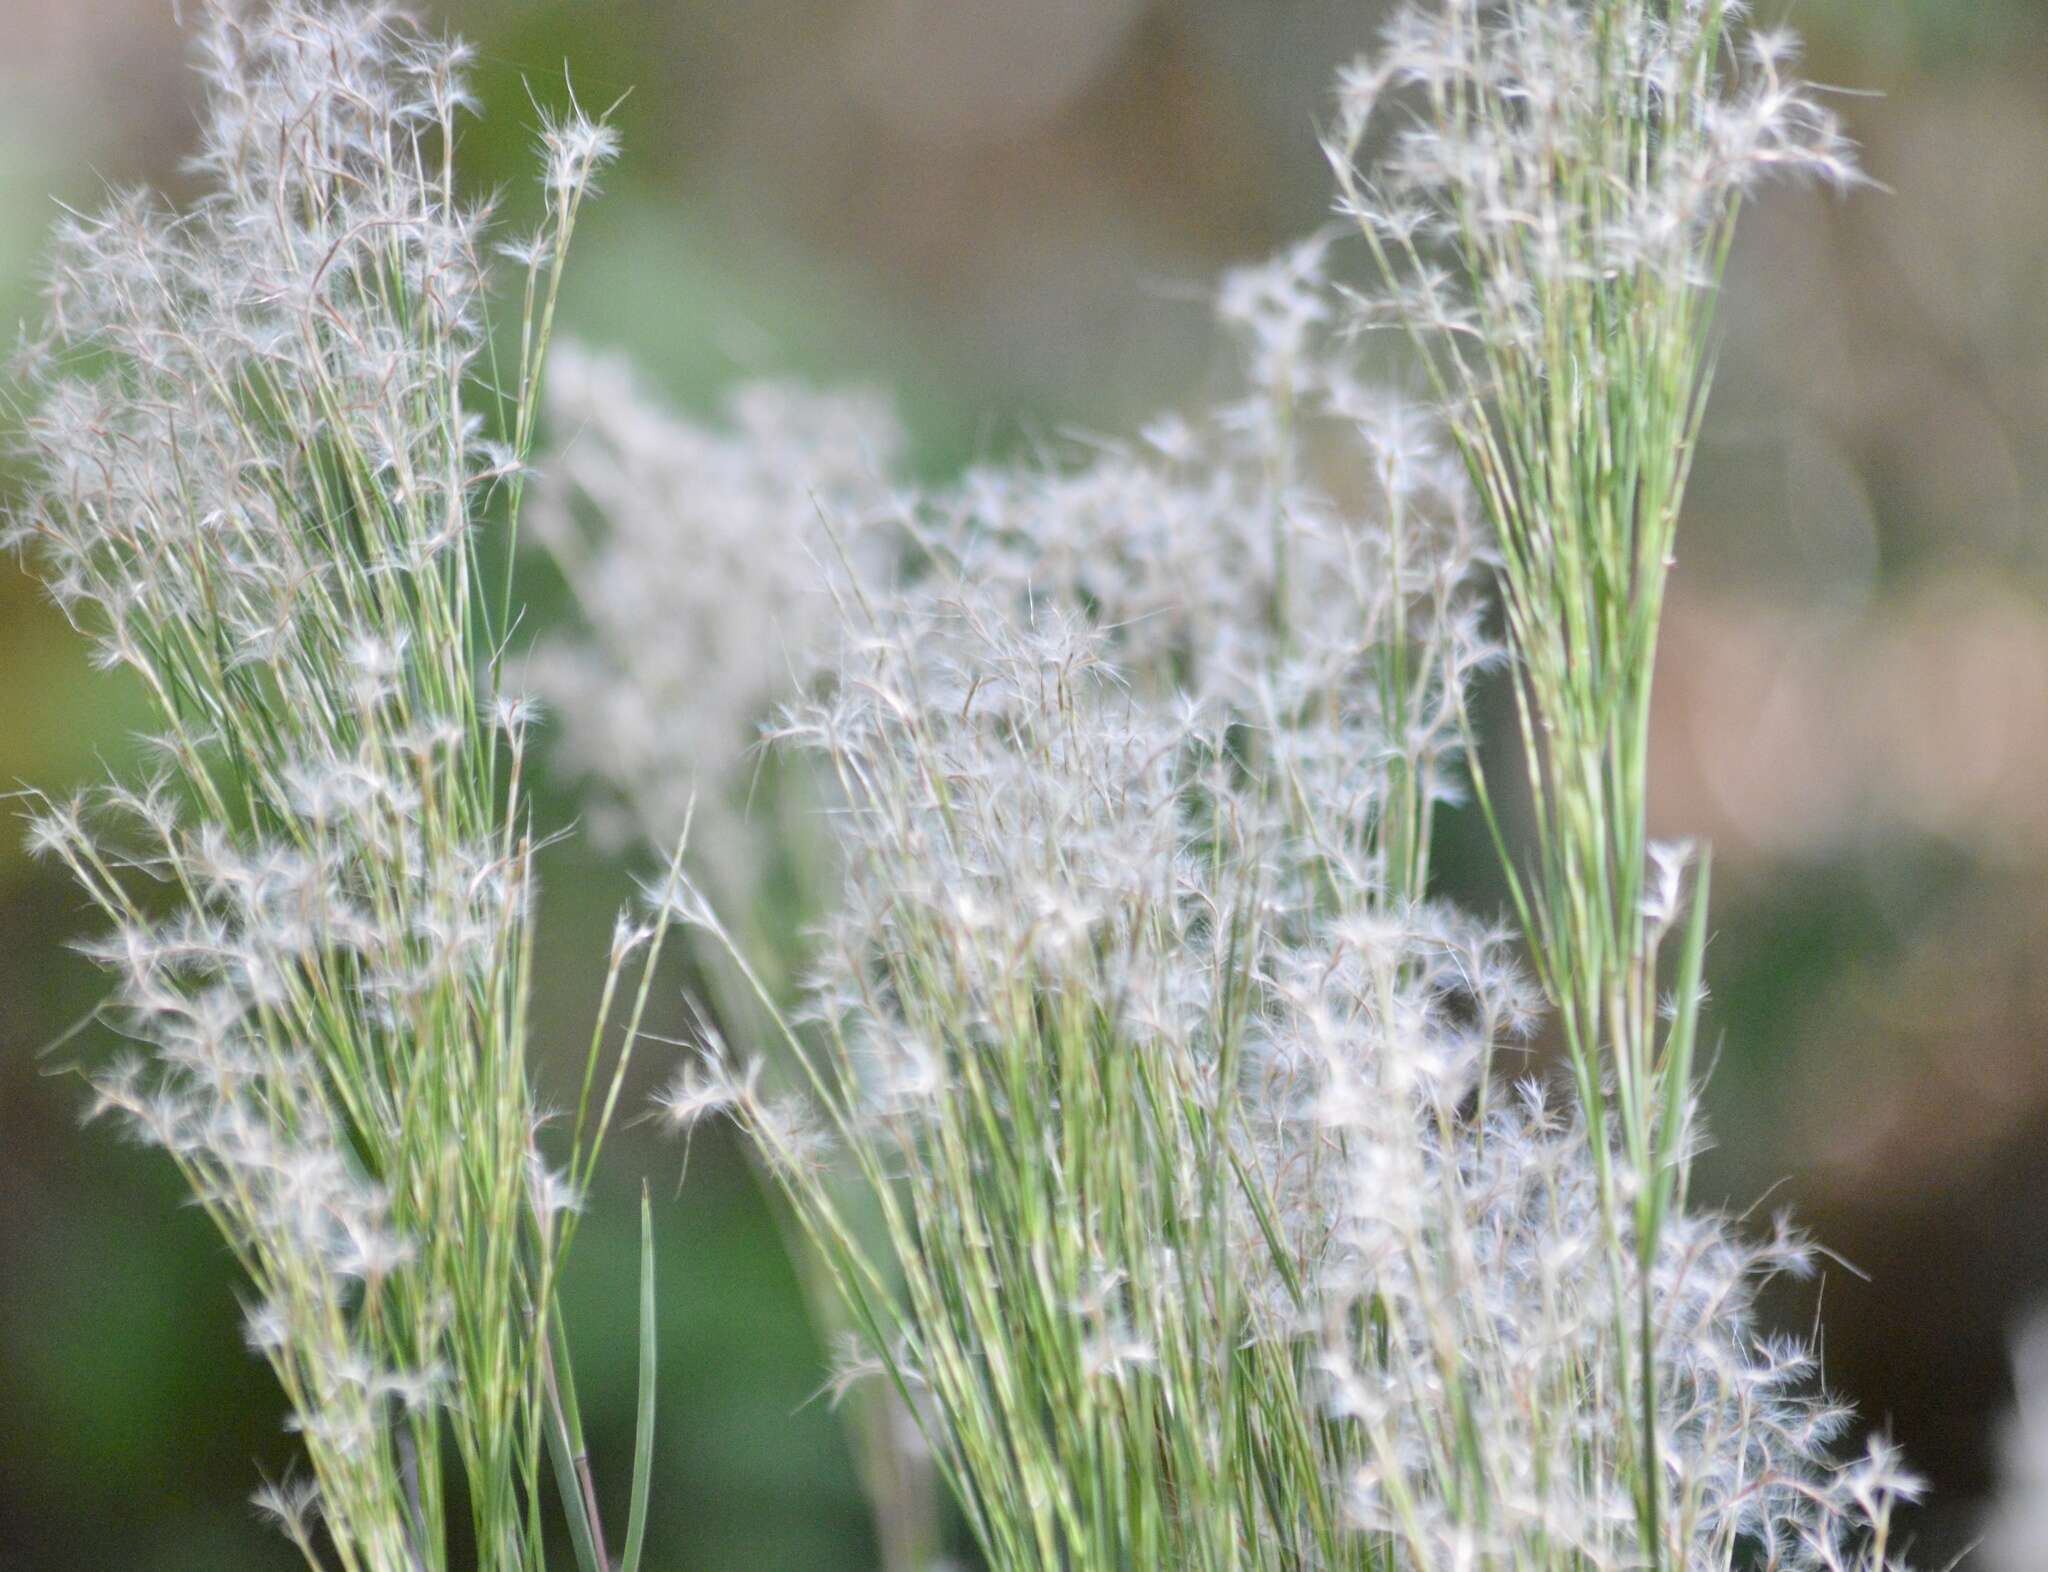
{"x":1005,"y":211}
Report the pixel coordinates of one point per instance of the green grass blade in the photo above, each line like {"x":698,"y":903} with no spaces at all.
{"x":564,"y":1426}
{"x":572,"y":1495}
{"x":643,"y":1441}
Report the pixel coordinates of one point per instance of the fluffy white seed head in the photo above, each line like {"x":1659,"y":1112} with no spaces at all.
{"x":701,"y":558}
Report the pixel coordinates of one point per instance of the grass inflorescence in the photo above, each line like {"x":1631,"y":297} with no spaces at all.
{"x":1161,"y":1140}
{"x":267,"y":431}
{"x":1206,"y":1222}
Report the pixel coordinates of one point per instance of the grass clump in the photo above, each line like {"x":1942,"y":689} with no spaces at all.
{"x":1164,"y":1135}
{"x":1202,"y":1217}
{"x":1159,"y":1136}
{"x":266,"y":433}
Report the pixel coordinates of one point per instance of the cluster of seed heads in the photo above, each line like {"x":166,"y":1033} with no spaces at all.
{"x":261,"y":444}
{"x":1166,"y":1139}
{"x":1192,"y":1130}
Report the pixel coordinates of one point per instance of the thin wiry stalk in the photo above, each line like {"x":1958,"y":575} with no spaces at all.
{"x":260,"y":461}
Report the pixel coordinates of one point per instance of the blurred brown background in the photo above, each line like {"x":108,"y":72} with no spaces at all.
{"x":1006,"y":211}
